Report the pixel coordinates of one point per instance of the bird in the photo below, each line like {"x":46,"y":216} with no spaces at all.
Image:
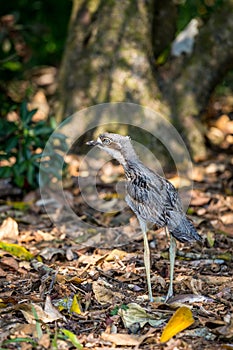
{"x":152,"y":198}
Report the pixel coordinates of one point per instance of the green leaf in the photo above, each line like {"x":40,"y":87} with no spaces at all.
{"x":12,"y":66}
{"x":25,"y":114}
{"x":11,"y":143}
{"x":19,"y":180}
{"x":38,"y":325}
{"x":36,"y":156}
{"x":30,"y":175}
{"x":23,"y":111}
{"x":5,"y":171}
{"x":42,"y":128}
{"x":26,"y":151}
{"x":20,"y":340}
{"x":72,"y":337}
{"x":20,"y":168}
{"x":53,"y":123}
{"x":7,"y":128}
{"x":114,"y":311}
{"x":16,"y":250}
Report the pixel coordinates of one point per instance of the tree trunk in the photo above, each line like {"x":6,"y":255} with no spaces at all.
{"x":193,"y":79}
{"x":109,"y":58}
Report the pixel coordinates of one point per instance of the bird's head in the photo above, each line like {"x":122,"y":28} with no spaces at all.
{"x":116,"y":145}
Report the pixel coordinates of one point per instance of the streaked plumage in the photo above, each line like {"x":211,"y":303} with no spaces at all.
{"x":155,"y":200}
{"x":151,"y":197}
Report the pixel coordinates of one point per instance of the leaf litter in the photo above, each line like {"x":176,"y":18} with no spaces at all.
{"x":56,"y":292}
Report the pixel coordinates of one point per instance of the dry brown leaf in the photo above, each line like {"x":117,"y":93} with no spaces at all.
{"x":49,"y":314}
{"x":227,"y":218}
{"x":115,"y":254}
{"x":91,"y":259}
{"x":180,"y":182}
{"x":43,"y":236}
{"x":26,"y":329}
{"x":136,"y":314}
{"x":45,"y":340}
{"x":48,"y":252}
{"x":69,"y":254}
{"x":2,"y":272}
{"x":40,"y":103}
{"x":199,"y":198}
{"x":227,"y":330}
{"x":215,"y":135}
{"x":121,"y":339}
{"x":213,"y":168}
{"x":51,"y":310}
{"x":217,"y":280}
{"x":66,"y":278}
{"x":224,"y":124}
{"x":221,"y":327}
{"x":217,"y":224}
{"x":103,"y":292}
{"x":198,"y":173}
{"x":9,"y":229}
{"x":25,"y":265}
{"x":11,"y":262}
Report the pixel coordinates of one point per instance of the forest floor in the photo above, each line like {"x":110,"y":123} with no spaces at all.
{"x":58,"y":293}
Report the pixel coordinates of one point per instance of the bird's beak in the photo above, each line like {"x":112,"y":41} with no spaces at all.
{"x":97,"y":142}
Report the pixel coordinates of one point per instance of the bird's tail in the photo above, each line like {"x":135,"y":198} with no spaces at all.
{"x":182,"y":228}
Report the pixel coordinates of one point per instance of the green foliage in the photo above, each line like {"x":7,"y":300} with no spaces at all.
{"x":114,"y":311}
{"x":35,"y":31}
{"x":189,"y":9}
{"x":22,"y":143}
{"x":32,"y":34}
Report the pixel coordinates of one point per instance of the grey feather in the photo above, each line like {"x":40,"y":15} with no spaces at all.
{"x":151,"y":197}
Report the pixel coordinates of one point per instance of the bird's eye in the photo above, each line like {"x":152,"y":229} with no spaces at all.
{"x":106,"y":142}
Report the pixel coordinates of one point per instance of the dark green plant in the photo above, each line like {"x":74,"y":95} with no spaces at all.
{"x":22,"y":143}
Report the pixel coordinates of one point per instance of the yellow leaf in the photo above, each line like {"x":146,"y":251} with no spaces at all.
{"x":19,"y":205}
{"x":75,"y":307}
{"x":181,"y":320}
{"x":16,"y":250}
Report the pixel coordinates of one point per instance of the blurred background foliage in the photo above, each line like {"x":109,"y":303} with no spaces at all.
{"x":33,"y":34}
{"x":188,"y":9}
{"x":40,"y":25}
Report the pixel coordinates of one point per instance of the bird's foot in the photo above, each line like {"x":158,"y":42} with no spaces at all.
{"x":169,"y":295}
{"x":150,"y":296}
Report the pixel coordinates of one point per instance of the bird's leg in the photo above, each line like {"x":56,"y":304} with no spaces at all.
{"x":172,"y":255}
{"x":146,"y":257}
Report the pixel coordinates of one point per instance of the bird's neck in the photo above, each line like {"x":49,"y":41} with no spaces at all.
{"x":129,"y":156}
{"x":131,"y":162}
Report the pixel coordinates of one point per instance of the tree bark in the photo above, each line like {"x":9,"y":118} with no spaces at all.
{"x":108,"y":56}
{"x":193,"y":79}
{"x":163,"y":25}
{"x":111,"y":54}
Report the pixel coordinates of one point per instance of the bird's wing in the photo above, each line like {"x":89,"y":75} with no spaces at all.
{"x":173,"y":198}
{"x":147,"y":200}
